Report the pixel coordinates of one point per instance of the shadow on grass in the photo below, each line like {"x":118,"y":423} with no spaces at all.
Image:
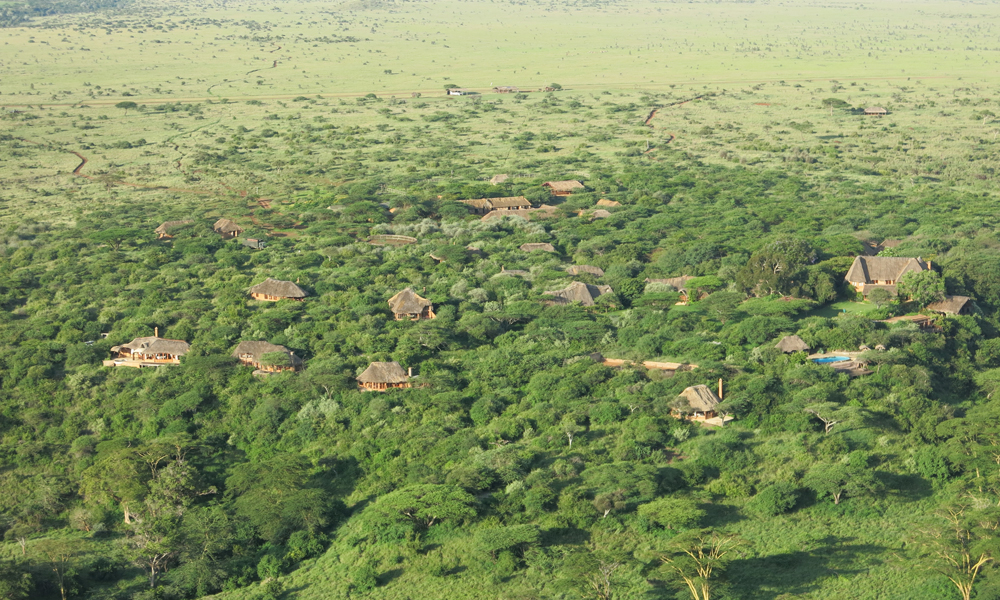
{"x":794,"y":574}
{"x":389,"y":576}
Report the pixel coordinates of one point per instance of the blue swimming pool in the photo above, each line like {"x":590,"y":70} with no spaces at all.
{"x":831,"y":359}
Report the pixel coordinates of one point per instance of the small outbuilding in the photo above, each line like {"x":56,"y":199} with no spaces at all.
{"x":498,"y":179}
{"x":563,"y":188}
{"x":577,"y":269}
{"x":381,"y":376}
{"x":584,"y":293}
{"x":227,"y":228}
{"x":952,"y":305}
{"x":696,"y":403}
{"x":606,"y":202}
{"x":254,"y":244}
{"x":482,"y":206}
{"x":792,"y":343}
{"x":163,"y":231}
{"x":252,"y":354}
{"x":600,"y":213}
{"x":876,"y":111}
{"x":535,"y":247}
{"x":272,"y":290}
{"x":408,"y":305}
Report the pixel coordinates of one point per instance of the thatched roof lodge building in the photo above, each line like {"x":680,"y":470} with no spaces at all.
{"x":227,"y":228}
{"x":272,"y":290}
{"x":381,"y":376}
{"x":584,"y":293}
{"x":151,"y":351}
{"x":868,"y":273}
{"x":482,"y":206}
{"x":876,"y":111}
{"x":952,"y":305}
{"x":563,"y":188}
{"x":408,"y":305}
{"x":252,"y":354}
{"x":792,"y":343}
{"x":696,"y":403}
{"x":163,"y":231}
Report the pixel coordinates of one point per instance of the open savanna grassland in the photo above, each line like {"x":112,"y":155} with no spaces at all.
{"x":262,"y":99}
{"x":223,"y":156}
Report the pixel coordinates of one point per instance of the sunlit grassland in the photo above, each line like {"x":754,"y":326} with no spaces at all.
{"x":202,"y":50}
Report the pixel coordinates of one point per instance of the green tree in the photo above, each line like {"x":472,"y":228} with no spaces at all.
{"x":15,"y":581}
{"x":962,"y":545}
{"x":879,"y":297}
{"x":698,"y":558}
{"x":921,"y":287}
{"x":838,"y":480}
{"x":127,"y":105}
{"x":673,"y":513}
{"x":61,"y":558}
{"x":511,"y":538}
{"x":777,"y":268}
{"x":423,"y":505}
{"x":115,"y":237}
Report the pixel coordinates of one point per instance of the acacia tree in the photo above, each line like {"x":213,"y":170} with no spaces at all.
{"x":60,"y":558}
{"x":127,"y":105}
{"x":962,"y":546}
{"x":698,"y":558}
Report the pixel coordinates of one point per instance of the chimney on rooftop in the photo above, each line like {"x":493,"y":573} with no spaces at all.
{"x":409,"y":371}
{"x":720,"y":388}
{"x":156,"y":332}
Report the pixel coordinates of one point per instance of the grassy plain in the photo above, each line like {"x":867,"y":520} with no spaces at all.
{"x":767,"y":68}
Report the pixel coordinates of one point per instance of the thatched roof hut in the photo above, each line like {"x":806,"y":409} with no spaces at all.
{"x":407,"y":304}
{"x":227,"y":227}
{"x":701,"y":398}
{"x":577,"y":269}
{"x":164,"y":229}
{"x":584,"y":293}
{"x":952,"y":305}
{"x":498,"y":179}
{"x":251,"y":353}
{"x":534,"y":247}
{"x":276,"y":289}
{"x":563,"y":188}
{"x":792,"y":343}
{"x":152,"y":345}
{"x":600,"y":214}
{"x":606,"y":202}
{"x":384,"y":375}
{"x":678,"y":283}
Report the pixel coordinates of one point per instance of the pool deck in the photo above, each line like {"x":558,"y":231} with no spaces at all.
{"x":852,"y":367}
{"x":850,"y":355}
